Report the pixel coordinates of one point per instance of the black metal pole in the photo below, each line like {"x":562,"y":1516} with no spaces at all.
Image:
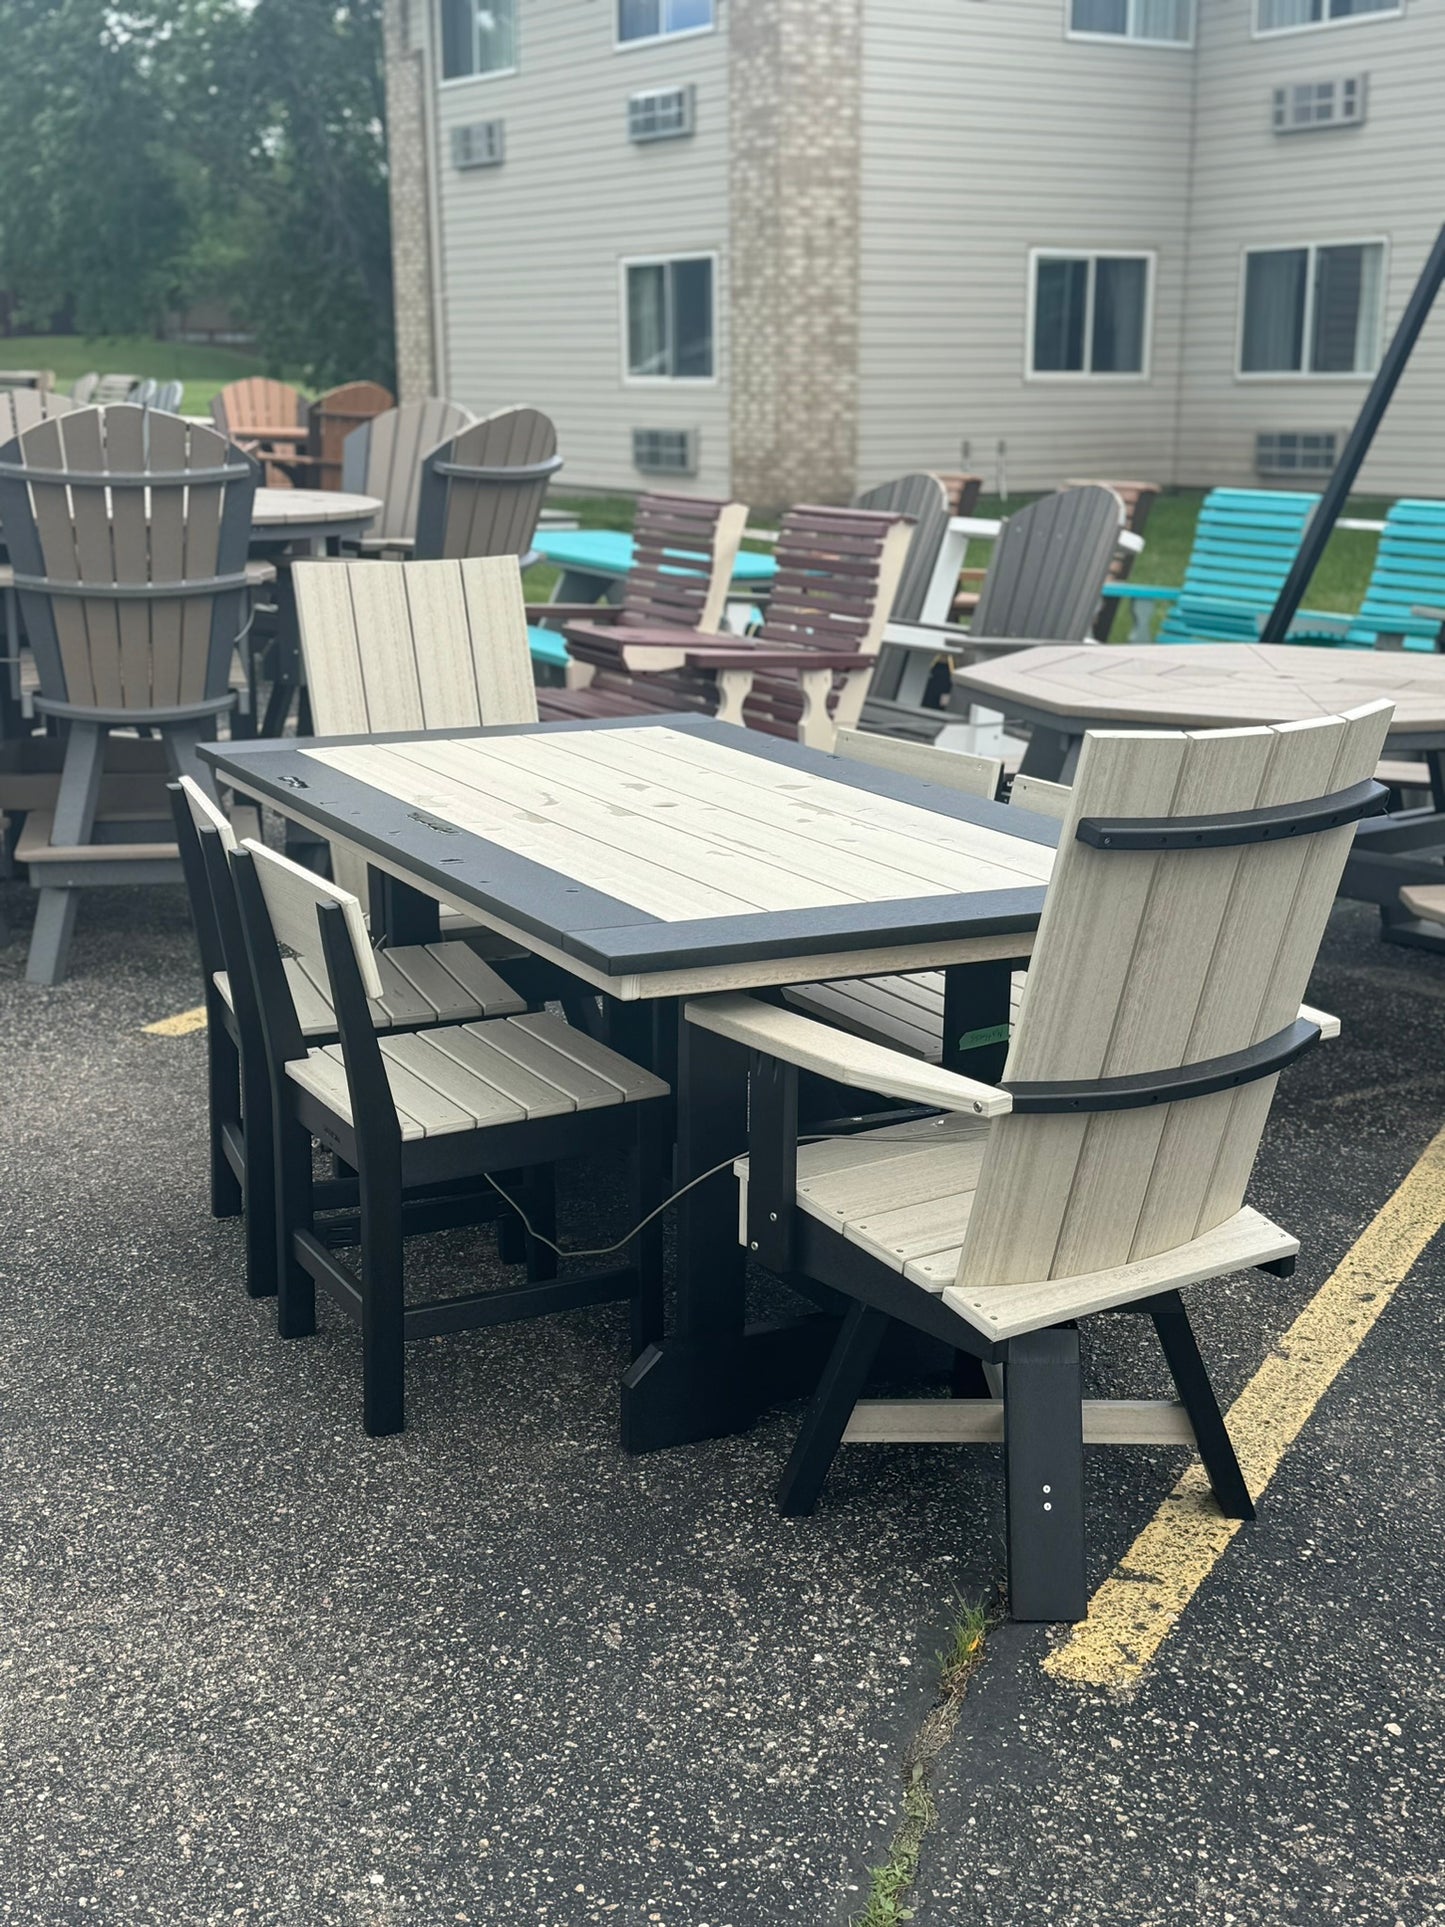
{"x":1357,"y":447}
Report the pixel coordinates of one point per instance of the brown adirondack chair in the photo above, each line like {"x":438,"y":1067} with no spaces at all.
{"x":481,"y":492}
{"x":128,"y":532}
{"x":806,"y":670}
{"x":383,"y":458}
{"x":269,"y":420}
{"x":333,"y":417}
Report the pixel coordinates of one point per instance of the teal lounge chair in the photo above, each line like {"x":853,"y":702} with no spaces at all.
{"x":1244,"y":543}
{"x":1407,"y":581}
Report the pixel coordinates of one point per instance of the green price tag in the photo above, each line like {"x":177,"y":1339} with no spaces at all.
{"x":976,"y":1039}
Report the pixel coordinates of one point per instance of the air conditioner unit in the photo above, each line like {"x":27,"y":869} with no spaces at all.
{"x":662,"y":113}
{"x":665,"y":451}
{"x":1291,"y":452}
{"x":1306,"y":106}
{"x":479,"y":144}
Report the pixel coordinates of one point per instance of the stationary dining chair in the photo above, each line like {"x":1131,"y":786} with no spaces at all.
{"x":412,"y":1113}
{"x":1109,"y":1165}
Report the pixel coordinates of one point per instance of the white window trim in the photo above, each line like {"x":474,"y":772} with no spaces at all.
{"x":621,"y":46}
{"x":1149,"y":256}
{"x":445,"y":83}
{"x":629,"y":380}
{"x":1128,"y":39}
{"x":1380,"y":241}
{"x":1322,"y":26}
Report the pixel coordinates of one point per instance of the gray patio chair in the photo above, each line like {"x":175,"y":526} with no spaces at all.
{"x":924,"y":500}
{"x":169,"y":395}
{"x":143,"y":395}
{"x":383,"y":458}
{"x":481,"y":492}
{"x":22,"y":408}
{"x":82,"y":390}
{"x":127,"y":532}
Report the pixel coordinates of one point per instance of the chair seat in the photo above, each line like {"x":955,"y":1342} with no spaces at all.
{"x":904,"y":1195}
{"x":472,"y":1077}
{"x":435,"y":983}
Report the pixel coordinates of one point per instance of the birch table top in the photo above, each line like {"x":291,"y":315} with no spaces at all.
{"x":660,"y":856}
{"x":1210,"y":685}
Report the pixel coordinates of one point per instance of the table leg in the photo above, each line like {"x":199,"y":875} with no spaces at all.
{"x":399,"y":914}
{"x":977,"y":1013}
{"x":1048,"y":753}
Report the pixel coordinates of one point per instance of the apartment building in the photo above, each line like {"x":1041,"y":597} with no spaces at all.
{"x":789,"y":247}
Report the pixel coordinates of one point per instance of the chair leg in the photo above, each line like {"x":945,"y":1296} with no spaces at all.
{"x":839,"y":1389}
{"x":540,"y":1197}
{"x":512,"y":1240}
{"x":223,"y":1081}
{"x":1216,"y":1449}
{"x":258,"y":1189}
{"x":295,"y":1287}
{"x":50,"y":939}
{"x":383,"y":1305}
{"x":652,"y":1179}
{"x":76,"y":803}
{"x":1044,"y":1468}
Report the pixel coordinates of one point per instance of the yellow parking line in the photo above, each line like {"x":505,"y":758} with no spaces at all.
{"x":1136,"y":1607}
{"x":180,"y":1025}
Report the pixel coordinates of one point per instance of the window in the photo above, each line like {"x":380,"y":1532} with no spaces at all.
{"x":665,"y":451}
{"x":1312,"y":104}
{"x":1090,"y":314}
{"x":1312,"y":310}
{"x":650,"y":19}
{"x":669,"y":319}
{"x":1282,"y":16}
{"x":662,"y":114}
{"x":478,"y":37}
{"x":1162,"y":23}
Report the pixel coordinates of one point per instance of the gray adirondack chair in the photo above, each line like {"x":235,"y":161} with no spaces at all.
{"x":169,"y":395}
{"x":22,"y":408}
{"x":383,"y":458}
{"x":1043,"y":584}
{"x":924,"y":500}
{"x":482,"y":492}
{"x":127,"y":532}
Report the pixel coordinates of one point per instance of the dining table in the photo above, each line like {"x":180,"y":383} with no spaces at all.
{"x":653,"y":859}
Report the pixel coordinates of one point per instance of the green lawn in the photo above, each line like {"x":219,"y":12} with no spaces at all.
{"x":203,"y":369}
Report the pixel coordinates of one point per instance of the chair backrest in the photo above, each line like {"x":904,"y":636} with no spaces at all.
{"x":1138,"y":499}
{"x":1148,"y":960}
{"x":293,"y":896}
{"x":383,"y":458}
{"x":1244,"y":543}
{"x":169,"y":395}
{"x":114,"y":388}
{"x":128,"y":532}
{"x":963,"y":492}
{"x":195,"y":815}
{"x":414,"y":645}
{"x":83,"y":388}
{"x":1048,"y":567}
{"x":481,"y":492}
{"x":952,"y":769}
{"x":256,"y":404}
{"x":838,"y":574}
{"x":923,"y":498}
{"x":683,"y":554}
{"x":1409,"y":569}
{"x":334,"y":416}
{"x":22,"y":408}
{"x":145,"y":393}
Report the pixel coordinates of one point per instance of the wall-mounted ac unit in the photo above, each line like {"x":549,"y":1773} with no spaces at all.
{"x":1306,"y":106}
{"x":1290,"y":452}
{"x":481,"y":143}
{"x":665,"y":451}
{"x":662,"y":113}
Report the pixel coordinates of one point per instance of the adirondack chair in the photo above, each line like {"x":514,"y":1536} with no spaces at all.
{"x":334,"y":416}
{"x":266,"y":418}
{"x":169,"y":395}
{"x":1138,"y":499}
{"x":1109,"y":1166}
{"x":1043,"y":583}
{"x":1408,"y":577}
{"x":82,"y":389}
{"x":685,"y":549}
{"x":1244,"y":543}
{"x":963,"y":492}
{"x":113,"y":388}
{"x":924,"y":500}
{"x":481,"y":492}
{"x":423,"y":985}
{"x":805,"y":670}
{"x":127,"y":532}
{"x":22,"y":408}
{"x":144,"y":393}
{"x":415,"y":1112}
{"x":383,"y":458}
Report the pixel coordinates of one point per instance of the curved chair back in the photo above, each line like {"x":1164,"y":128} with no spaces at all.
{"x":1049,"y":565}
{"x":144,"y":395}
{"x":168,"y":396}
{"x":128,"y":531}
{"x":683,"y":553}
{"x":924,"y":498}
{"x":113,"y":388}
{"x":334,"y":416}
{"x":22,"y":408}
{"x":481,"y":492}
{"x":83,"y":388}
{"x":383,"y":458}
{"x":248,"y":408}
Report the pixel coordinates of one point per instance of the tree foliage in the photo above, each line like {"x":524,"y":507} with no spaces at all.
{"x":154,"y":156}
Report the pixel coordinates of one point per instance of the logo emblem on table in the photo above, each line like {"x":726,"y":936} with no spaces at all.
{"x":443,"y":829}
{"x":293,"y":782}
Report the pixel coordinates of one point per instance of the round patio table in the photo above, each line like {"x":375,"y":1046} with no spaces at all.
{"x":309,"y":517}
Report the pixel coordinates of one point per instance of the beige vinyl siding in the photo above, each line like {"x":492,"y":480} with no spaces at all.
{"x":531,"y":281}
{"x":986,"y":133}
{"x":1253,"y":187}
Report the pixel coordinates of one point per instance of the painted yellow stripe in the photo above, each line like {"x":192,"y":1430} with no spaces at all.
{"x":181,"y":1025}
{"x":1134,"y":1610}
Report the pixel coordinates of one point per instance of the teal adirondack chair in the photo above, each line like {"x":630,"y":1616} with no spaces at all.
{"x":1409,"y":572}
{"x":1244,"y":543}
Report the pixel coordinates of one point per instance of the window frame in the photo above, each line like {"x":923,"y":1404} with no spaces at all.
{"x":1257,"y":32}
{"x":1150,"y":258}
{"x":1127,"y":39}
{"x":629,"y":261}
{"x":667,"y":36}
{"x":1311,"y":248}
{"x":491,"y":73}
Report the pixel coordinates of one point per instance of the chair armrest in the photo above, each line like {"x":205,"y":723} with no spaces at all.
{"x":741,"y":657}
{"x":1329,"y":1026}
{"x":933,"y":638}
{"x":854,"y":1061}
{"x":986,"y":528}
{"x":7,"y":576}
{"x":1130,"y":540}
{"x":1140,"y":592}
{"x":573,"y":611}
{"x":259,"y":573}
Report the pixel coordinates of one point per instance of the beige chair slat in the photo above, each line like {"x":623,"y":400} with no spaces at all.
{"x":293,"y":898}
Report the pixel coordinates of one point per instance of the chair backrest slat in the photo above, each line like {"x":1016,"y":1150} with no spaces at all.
{"x":384,"y":456}
{"x":924,"y":498}
{"x":22,"y":408}
{"x":257,"y":403}
{"x":838,"y":574}
{"x":684,"y":553}
{"x":334,"y":416}
{"x":1149,"y":961}
{"x":494,"y":509}
{"x":1244,"y":543}
{"x":1048,"y":567}
{"x":293,"y":897}
{"x":414,"y":645}
{"x":951,"y":769}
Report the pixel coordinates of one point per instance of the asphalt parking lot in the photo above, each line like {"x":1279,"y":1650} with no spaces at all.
{"x":258,"y":1668}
